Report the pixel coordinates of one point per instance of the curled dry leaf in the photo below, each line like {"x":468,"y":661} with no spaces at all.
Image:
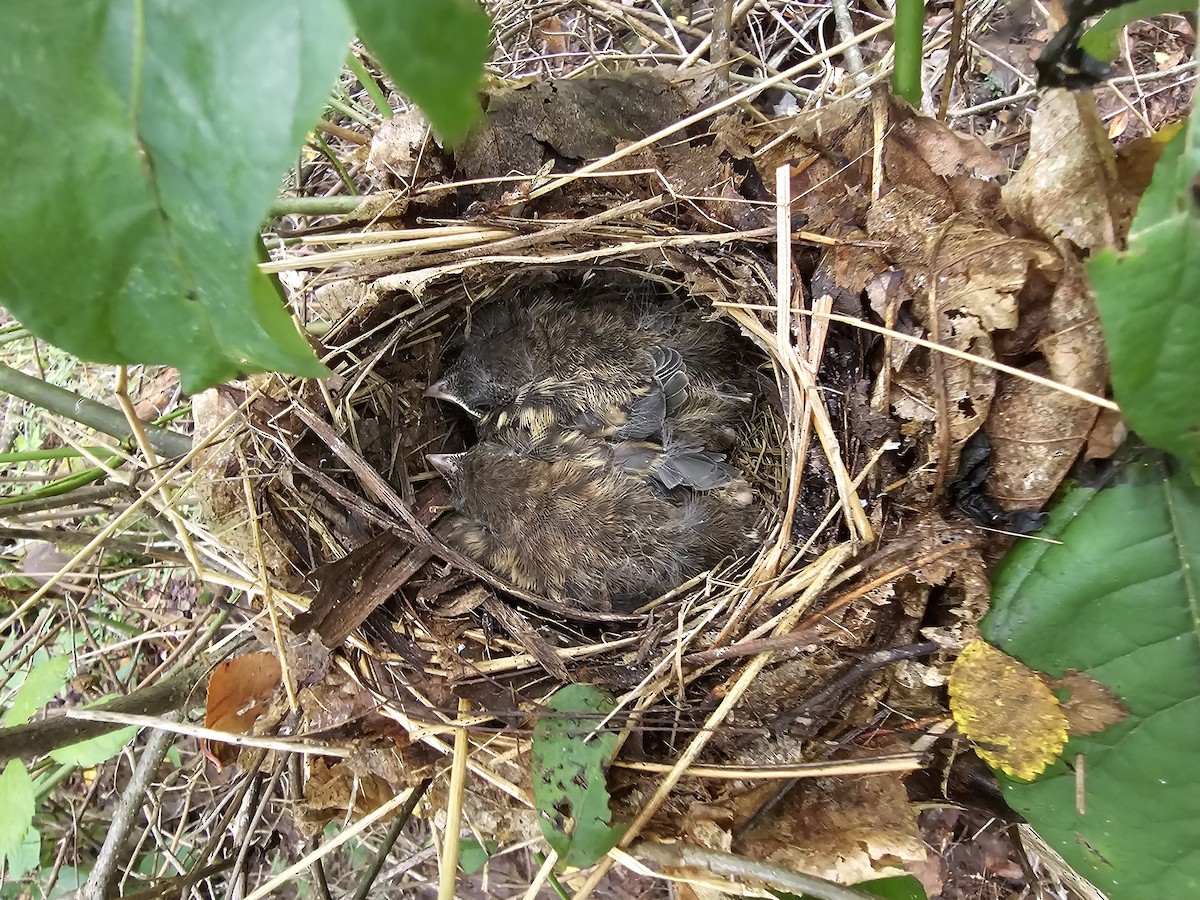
{"x":240,"y":690}
{"x":1068,"y":187}
{"x":1037,"y":432}
{"x":844,"y":829}
{"x":396,"y":149}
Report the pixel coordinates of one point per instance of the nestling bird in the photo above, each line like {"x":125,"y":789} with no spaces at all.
{"x":615,"y":367}
{"x":566,"y":518}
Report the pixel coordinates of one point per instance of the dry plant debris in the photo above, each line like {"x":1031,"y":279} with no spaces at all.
{"x":842,"y":241}
{"x":885,"y":205}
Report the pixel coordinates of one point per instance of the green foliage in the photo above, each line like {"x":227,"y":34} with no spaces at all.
{"x":1101,"y":39}
{"x":899,"y":887}
{"x":17,"y":801}
{"x":1149,"y":303}
{"x":94,"y":751}
{"x":569,"y":788}
{"x":434,"y":50}
{"x":145,"y":142}
{"x":40,"y":686}
{"x":473,"y":856}
{"x":1116,"y":596}
{"x":909,"y":31}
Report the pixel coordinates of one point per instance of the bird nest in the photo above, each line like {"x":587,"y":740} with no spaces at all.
{"x":748,"y":676}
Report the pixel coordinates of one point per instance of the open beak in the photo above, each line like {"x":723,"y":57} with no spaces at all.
{"x":439,"y":390}
{"x":445,"y":463}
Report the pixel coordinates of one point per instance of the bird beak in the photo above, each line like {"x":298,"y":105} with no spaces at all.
{"x":445,"y":463}
{"x":439,"y":390}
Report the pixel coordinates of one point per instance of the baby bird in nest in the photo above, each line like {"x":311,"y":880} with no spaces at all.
{"x":586,"y":522}
{"x":619,"y":368}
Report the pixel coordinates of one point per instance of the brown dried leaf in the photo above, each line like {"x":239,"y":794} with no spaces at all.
{"x":845,"y":829}
{"x":332,"y":791}
{"x":1067,"y":187}
{"x":1091,"y":706}
{"x":1037,"y":432}
{"x":396,"y":149}
{"x":239,"y":691}
{"x":576,"y":118}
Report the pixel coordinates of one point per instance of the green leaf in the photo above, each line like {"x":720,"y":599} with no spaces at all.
{"x":1118,"y":599}
{"x":94,"y":751}
{"x":143,"y":144}
{"x":27,"y":856}
{"x":41,"y":685}
{"x":16,"y":799}
{"x":70,"y":882}
{"x":1149,"y":303}
{"x":570,"y":792}
{"x":1101,"y":39}
{"x":434,"y":50}
{"x":473,"y":856}
{"x":899,"y":887}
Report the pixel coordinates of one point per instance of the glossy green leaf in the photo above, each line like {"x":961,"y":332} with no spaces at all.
{"x":143,"y":144}
{"x":1116,"y":595}
{"x":17,"y":801}
{"x":41,"y":685}
{"x":570,"y":790}
{"x":1101,"y":40}
{"x":1149,"y":303}
{"x":434,"y":50}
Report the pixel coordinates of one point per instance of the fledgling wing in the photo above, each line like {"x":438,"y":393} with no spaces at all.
{"x":675,"y":467}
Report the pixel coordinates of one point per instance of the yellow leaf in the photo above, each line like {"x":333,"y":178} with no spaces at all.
{"x":1015,"y":723}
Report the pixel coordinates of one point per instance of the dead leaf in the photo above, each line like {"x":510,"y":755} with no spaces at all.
{"x":1067,"y":187}
{"x":1013,"y":720}
{"x":576,"y":118}
{"x":1108,"y":433}
{"x":396,"y":149}
{"x":553,"y":33}
{"x":239,"y":691}
{"x":846,"y":829}
{"x":1091,"y":706}
{"x":1037,"y":432}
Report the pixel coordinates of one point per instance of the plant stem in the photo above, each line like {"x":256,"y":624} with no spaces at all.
{"x":87,"y":412}
{"x":354,"y":64}
{"x":908,"y":30}
{"x":314,"y":206}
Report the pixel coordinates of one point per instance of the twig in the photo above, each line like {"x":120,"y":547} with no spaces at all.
{"x":845,"y":31}
{"x":738,"y":867}
{"x":354,"y":831}
{"x":448,"y":875}
{"x":39,"y":738}
{"x":956,"y":45}
{"x":385,"y":846}
{"x":747,"y":94}
{"x":1094,"y":399}
{"x":99,"y":883}
{"x":722,"y":26}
